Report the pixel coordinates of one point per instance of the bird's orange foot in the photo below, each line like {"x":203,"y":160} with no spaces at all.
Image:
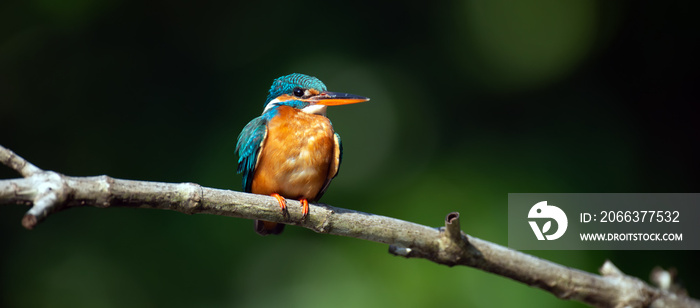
{"x":282,"y":202}
{"x":304,"y":208}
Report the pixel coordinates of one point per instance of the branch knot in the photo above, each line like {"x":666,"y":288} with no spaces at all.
{"x":193,"y":194}
{"x":50,"y":193}
{"x":454,"y":244}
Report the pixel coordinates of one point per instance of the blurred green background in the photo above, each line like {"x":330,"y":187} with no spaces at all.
{"x":471,"y":100}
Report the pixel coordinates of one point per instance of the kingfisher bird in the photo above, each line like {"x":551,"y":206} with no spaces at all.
{"x":291,"y":150}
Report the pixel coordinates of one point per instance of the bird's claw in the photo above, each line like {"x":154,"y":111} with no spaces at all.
{"x":304,"y":208}
{"x":283,"y":204}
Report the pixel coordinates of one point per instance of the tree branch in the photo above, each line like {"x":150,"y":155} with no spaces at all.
{"x":49,"y":192}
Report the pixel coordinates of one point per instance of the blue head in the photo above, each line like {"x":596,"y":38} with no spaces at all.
{"x":287,"y":84}
{"x":306,"y":93}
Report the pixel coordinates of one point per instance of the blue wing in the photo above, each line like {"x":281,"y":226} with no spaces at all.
{"x":248,"y":147}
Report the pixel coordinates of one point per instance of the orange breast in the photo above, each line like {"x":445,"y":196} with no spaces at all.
{"x":296,"y":155}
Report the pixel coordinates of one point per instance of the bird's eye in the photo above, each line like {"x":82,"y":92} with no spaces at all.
{"x":298,"y":92}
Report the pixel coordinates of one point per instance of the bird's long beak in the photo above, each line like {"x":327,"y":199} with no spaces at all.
{"x":335,"y":99}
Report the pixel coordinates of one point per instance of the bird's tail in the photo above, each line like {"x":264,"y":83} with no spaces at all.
{"x":267,"y":227}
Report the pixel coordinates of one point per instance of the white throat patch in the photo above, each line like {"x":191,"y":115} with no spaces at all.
{"x":315,"y":109}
